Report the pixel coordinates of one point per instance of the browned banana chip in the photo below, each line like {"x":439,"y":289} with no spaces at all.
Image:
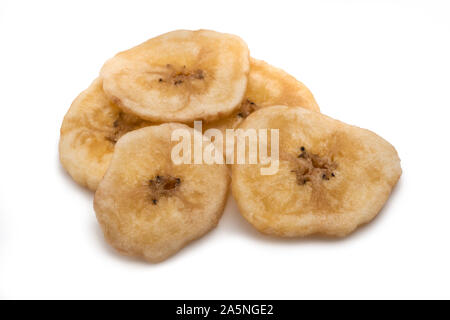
{"x":89,"y":132}
{"x":332,"y":177}
{"x":150,"y":207}
{"x":180,"y":76}
{"x":267,"y":86}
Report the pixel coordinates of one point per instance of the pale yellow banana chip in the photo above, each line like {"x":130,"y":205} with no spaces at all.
{"x":89,"y":132}
{"x":150,"y":207}
{"x":332,"y":177}
{"x":180,"y":76}
{"x":267,"y":86}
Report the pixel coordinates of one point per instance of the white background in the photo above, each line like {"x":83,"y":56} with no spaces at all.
{"x":381,"y":65}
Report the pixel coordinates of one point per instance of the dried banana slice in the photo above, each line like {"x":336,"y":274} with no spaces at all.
{"x":267,"y":86}
{"x":150,"y":207}
{"x":89,"y":132}
{"x":180,"y":76}
{"x":332,"y":177}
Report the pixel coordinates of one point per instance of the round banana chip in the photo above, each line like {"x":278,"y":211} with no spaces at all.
{"x":150,"y":207}
{"x":180,"y":76}
{"x":267,"y":86}
{"x":89,"y":132}
{"x":332,"y":177}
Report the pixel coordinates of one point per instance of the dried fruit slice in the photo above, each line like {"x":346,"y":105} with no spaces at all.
{"x":267,"y":86}
{"x":180,"y":76}
{"x":332,"y":177}
{"x":89,"y":132}
{"x":148,"y":206}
